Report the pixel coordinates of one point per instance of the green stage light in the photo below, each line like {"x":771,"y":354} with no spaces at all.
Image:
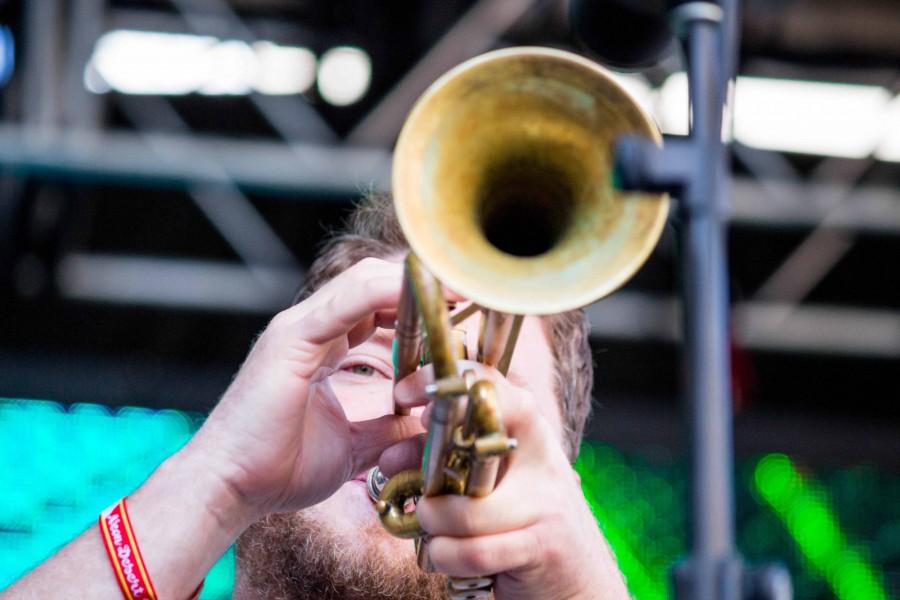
{"x":804,"y":508}
{"x":57,"y":474}
{"x":615,"y":496}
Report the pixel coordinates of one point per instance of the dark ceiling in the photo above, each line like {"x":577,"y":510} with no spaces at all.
{"x":75,"y":349}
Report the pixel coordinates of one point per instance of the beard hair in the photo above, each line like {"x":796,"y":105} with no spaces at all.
{"x":296,"y":556}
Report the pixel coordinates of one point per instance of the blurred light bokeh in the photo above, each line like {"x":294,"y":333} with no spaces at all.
{"x":836,"y":529}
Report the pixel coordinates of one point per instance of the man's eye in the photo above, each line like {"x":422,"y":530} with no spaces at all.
{"x":363,"y":369}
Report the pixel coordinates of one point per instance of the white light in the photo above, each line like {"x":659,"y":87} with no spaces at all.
{"x":230,"y":68}
{"x":164,"y":64}
{"x":638,"y":87}
{"x":283,"y":70}
{"x":143,"y":62}
{"x":672,"y":105}
{"x":889,"y":149}
{"x":344,"y":75}
{"x":810,"y":117}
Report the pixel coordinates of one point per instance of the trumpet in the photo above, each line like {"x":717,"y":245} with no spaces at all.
{"x":502,"y":182}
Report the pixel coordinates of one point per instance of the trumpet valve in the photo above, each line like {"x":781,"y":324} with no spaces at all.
{"x":493,"y":445}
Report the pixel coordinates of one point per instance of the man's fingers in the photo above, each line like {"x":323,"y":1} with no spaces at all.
{"x":371,"y":438}
{"x":464,"y":516}
{"x":404,"y":455}
{"x":484,"y":555}
{"x":365,"y":328}
{"x":425,"y":419}
{"x":367,"y":287}
{"x":410,"y":391}
{"x":342,"y":312}
{"x":386,"y":319}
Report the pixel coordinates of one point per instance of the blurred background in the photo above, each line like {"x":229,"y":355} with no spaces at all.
{"x":169,"y":167}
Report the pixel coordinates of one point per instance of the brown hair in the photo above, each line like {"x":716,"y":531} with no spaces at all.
{"x":372,"y":230}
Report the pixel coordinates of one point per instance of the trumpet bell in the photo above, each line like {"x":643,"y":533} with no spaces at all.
{"x":502,"y":182}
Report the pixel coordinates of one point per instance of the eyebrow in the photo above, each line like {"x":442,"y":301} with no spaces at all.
{"x":382,"y":337}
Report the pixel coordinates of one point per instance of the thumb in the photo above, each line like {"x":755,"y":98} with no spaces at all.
{"x":370,"y":438}
{"x":405,"y":455}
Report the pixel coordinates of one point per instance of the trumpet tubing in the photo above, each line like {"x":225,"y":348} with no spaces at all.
{"x":502,"y":184}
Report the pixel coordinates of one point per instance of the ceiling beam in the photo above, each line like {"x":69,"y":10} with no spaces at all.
{"x":228,"y":287}
{"x":214,"y":286}
{"x":770,"y":326}
{"x":474,"y":33}
{"x":344,"y":172}
{"x":127,"y":158}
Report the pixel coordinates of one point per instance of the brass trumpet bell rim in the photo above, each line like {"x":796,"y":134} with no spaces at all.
{"x":539,"y":124}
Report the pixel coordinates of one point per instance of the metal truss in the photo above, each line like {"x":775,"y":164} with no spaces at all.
{"x":68,"y":141}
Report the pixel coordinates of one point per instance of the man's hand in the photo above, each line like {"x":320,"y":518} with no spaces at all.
{"x":279,"y":437}
{"x":535,"y":531}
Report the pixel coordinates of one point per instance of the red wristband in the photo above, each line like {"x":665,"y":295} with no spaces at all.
{"x":125,"y":556}
{"x":196,"y":593}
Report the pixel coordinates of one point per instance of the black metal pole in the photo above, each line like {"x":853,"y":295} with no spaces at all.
{"x":695,"y":170}
{"x":707,"y":382}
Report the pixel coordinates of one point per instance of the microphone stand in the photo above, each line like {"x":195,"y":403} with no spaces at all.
{"x":695,"y":170}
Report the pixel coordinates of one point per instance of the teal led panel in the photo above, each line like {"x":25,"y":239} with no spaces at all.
{"x":838,"y":531}
{"x":60,"y":467}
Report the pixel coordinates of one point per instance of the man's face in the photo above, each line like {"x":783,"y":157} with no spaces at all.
{"x":341,"y":539}
{"x":363,"y":384}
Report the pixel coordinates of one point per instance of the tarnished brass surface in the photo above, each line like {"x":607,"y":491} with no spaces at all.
{"x":407,"y":337}
{"x":502,"y":183}
{"x":459,"y":317}
{"x":429,"y":295}
{"x":511,"y":339}
{"x":517,"y":145}
{"x":399,"y":489}
{"x":446,"y":409}
{"x":487,"y":438}
{"x":482,"y":412}
{"x":460,"y":350}
{"x":493,"y":336}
